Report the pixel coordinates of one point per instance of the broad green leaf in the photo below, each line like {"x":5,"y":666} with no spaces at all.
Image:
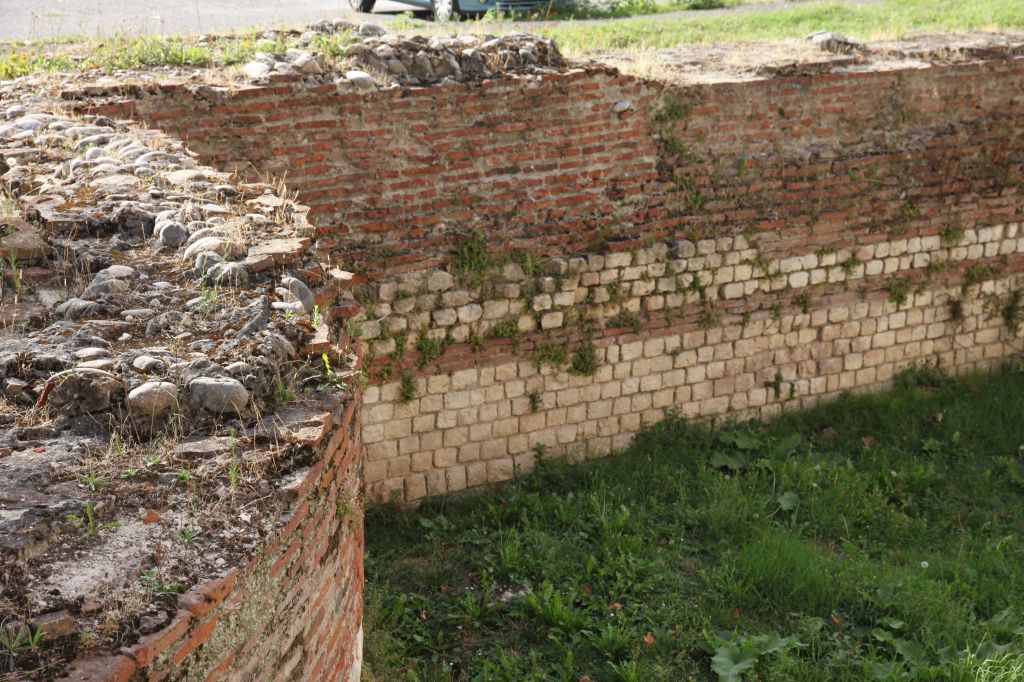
{"x":878,"y":670}
{"x":734,"y":461}
{"x":1005,"y":623}
{"x":892,"y":623}
{"x":730,"y":661}
{"x":786,"y":445}
{"x":911,"y":652}
{"x":747,"y":441}
{"x":788,"y":501}
{"x":772,"y":643}
{"x":991,"y":650}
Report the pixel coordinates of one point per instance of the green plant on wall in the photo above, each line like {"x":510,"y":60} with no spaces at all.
{"x":428,"y":348}
{"x":472,"y":259}
{"x":710,"y":316}
{"x":550,"y":354}
{"x":1008,"y":307}
{"x":625,"y":318}
{"x":899,"y":289}
{"x":978,"y":273}
{"x":804,"y":301}
{"x":507,"y":329}
{"x":953,"y":233}
{"x":692,"y":196}
{"x":584,"y":359}
{"x":407,"y":389}
{"x":670,"y":108}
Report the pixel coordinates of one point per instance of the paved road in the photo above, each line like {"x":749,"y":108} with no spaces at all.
{"x":45,"y":19}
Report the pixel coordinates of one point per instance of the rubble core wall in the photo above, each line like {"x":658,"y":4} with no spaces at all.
{"x":293,"y":612}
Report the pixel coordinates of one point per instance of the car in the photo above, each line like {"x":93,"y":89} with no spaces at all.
{"x":447,"y":10}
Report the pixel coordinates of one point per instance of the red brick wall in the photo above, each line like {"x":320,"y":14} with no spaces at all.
{"x":293,"y":612}
{"x":395,"y":178}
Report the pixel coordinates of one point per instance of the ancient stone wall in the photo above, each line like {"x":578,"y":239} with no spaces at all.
{"x":555,"y":261}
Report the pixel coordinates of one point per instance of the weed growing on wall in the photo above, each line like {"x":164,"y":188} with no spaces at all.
{"x":429,"y":349}
{"x":953,"y":233}
{"x":471,"y":258}
{"x":627,"y":319}
{"x":978,"y":273}
{"x":584,"y":359}
{"x":550,"y":354}
{"x":408,"y":390}
{"x":1009,"y":307}
{"x":899,"y":289}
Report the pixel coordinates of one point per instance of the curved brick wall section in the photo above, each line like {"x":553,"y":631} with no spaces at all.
{"x":728,"y":247}
{"x":295,"y":610}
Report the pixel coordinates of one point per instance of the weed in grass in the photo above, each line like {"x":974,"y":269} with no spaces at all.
{"x":16,"y":642}
{"x":884,"y":18}
{"x":283,"y":394}
{"x":188,"y":535}
{"x":90,"y":523}
{"x":156,"y":585}
{"x":233,"y":466}
{"x":93,"y":481}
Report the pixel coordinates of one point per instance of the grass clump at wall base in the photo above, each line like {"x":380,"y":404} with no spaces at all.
{"x":876,"y":537}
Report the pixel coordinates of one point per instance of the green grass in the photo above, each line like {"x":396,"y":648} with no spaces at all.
{"x":875,"y":537}
{"x":887,"y":18}
{"x":128,"y":52}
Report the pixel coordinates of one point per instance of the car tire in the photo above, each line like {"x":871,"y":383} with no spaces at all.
{"x":445,"y":10}
{"x":362,"y":5}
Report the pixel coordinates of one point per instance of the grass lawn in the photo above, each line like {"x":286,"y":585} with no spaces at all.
{"x":876,"y":537}
{"x":863,"y":21}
